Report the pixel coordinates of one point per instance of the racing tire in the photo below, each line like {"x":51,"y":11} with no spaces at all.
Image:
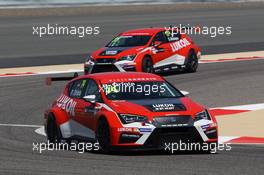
{"x":147,"y":65}
{"x":53,"y":132}
{"x":192,"y":62}
{"x":103,"y":135}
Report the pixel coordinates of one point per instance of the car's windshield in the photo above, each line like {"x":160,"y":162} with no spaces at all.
{"x":140,"y":90}
{"x":129,"y":41}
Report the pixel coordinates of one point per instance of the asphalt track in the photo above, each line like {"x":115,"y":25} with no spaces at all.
{"x":19,"y":47}
{"x":23,"y":99}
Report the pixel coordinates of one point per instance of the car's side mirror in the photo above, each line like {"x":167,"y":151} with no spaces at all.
{"x":157,"y":43}
{"x":90,"y":98}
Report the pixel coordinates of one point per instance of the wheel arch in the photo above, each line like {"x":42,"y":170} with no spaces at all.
{"x":59,"y":116}
{"x":148,"y":55}
{"x":100,"y":118}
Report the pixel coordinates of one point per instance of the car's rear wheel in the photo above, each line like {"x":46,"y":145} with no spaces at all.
{"x":192,"y":62}
{"x":53,"y":132}
{"x":147,"y":65}
{"x":103,"y":135}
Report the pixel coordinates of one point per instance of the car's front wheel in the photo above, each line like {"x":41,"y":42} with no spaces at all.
{"x":103,"y":135}
{"x":147,"y":65}
{"x":192,"y":62}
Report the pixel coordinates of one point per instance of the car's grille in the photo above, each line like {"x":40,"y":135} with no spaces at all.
{"x":173,"y":121}
{"x":105,"y":60}
{"x":104,"y":68}
{"x":162,"y":136}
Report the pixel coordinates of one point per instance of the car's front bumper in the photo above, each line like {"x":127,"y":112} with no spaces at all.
{"x":118,"y":66}
{"x":150,"y":136}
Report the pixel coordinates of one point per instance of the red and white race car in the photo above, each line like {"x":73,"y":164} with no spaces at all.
{"x":127,"y":110}
{"x":151,"y":50}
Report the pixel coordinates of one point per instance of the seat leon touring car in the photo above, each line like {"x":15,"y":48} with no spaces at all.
{"x":127,"y":110}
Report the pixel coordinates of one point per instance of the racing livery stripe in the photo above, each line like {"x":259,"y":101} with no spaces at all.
{"x":174,"y":59}
{"x":71,"y":128}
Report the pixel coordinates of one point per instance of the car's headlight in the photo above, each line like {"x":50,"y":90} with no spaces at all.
{"x":202,"y":115}
{"x":130,"y":118}
{"x":128,"y":57}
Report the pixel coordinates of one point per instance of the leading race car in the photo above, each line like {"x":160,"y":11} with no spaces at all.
{"x":152,"y":50}
{"x":127,"y":110}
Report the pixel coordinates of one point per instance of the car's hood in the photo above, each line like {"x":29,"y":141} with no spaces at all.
{"x":156,"y":107}
{"x":116,"y":51}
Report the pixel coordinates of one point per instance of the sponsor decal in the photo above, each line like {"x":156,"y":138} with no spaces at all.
{"x":67,"y":104}
{"x":131,"y":135}
{"x":132,"y":79}
{"x":210,"y":131}
{"x":145,"y":129}
{"x":83,"y":83}
{"x":179,"y":44}
{"x":110,"y":88}
{"x":127,"y":129}
{"x":163,"y":107}
{"x":175,"y":125}
{"x":111,"y":52}
{"x":205,"y":127}
{"x":167,"y":33}
{"x":124,"y":129}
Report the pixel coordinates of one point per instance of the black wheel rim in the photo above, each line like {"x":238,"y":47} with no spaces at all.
{"x":149,"y":67}
{"x":103,"y":136}
{"x":193,"y":62}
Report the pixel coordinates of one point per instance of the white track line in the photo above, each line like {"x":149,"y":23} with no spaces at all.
{"x":41,"y":131}
{"x":185,"y":92}
{"x":223,"y":139}
{"x":250,"y":107}
{"x":20,"y":125}
{"x":59,"y":72}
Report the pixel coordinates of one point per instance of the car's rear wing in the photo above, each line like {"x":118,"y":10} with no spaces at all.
{"x":49,"y":80}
